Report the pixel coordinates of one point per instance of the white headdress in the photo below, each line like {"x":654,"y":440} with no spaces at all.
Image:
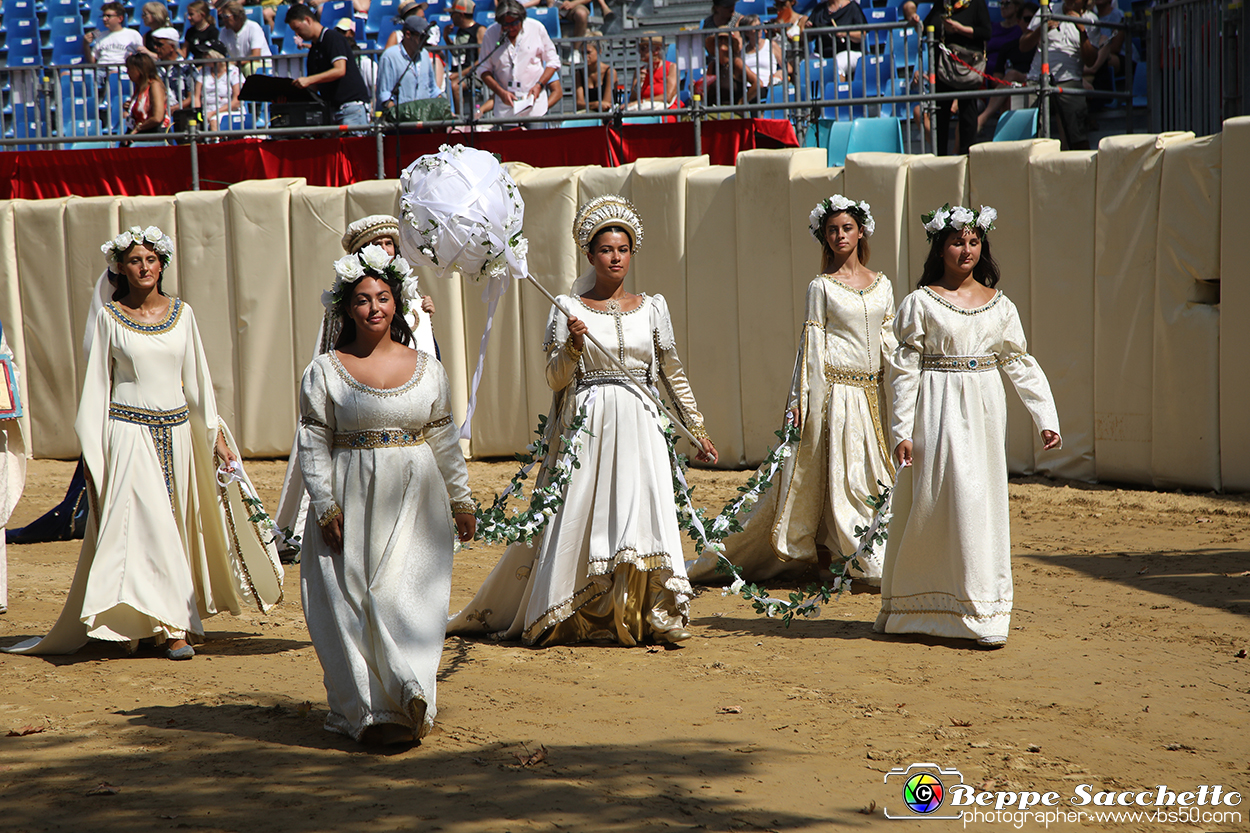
{"x":113,"y":251}
{"x":366,"y":230}
{"x":601,"y":212}
{"x":372,"y":261}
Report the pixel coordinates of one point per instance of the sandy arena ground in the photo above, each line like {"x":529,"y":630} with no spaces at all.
{"x":1126,"y":669}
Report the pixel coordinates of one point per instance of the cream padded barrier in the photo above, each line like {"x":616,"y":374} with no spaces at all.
{"x":881,"y":179}
{"x":1062,"y":185}
{"x":91,"y":220}
{"x":1185,"y":441}
{"x":998,"y":175}
{"x":1129,"y":169}
{"x":318,"y":219}
{"x":932,"y":181}
{"x":1235,"y":306}
{"x":713,"y":356}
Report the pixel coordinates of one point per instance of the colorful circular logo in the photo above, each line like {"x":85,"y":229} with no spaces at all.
{"x":923,"y":793}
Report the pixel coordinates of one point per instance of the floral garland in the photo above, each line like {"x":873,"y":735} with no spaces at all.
{"x":151,"y":236}
{"x":372,"y":261}
{"x":495,"y":526}
{"x":836,"y":204}
{"x":958,"y":218}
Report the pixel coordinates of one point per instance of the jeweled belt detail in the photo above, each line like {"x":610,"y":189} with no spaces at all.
{"x":148,"y":416}
{"x":609,"y":377}
{"x":378,"y":438}
{"x":851,"y":376}
{"x":958,"y":364}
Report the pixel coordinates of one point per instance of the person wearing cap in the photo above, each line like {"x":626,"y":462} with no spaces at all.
{"x":332,"y":72}
{"x":368,"y":69}
{"x":723,"y":15}
{"x":242,"y":37}
{"x":179,"y":78}
{"x":408,"y":72}
{"x":465,"y":34}
{"x":521,"y":60}
{"x":407,"y":9}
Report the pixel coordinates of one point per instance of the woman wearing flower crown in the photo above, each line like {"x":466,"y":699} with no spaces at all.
{"x":164,"y":548}
{"x":948,"y":557}
{"x":836,"y":401}
{"x":389,"y":494}
{"x":608,"y":567}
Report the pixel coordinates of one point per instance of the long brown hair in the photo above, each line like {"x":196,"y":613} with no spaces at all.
{"x":861,"y":250}
{"x":400,"y":331}
{"x":985,"y":272}
{"x":121,"y":286}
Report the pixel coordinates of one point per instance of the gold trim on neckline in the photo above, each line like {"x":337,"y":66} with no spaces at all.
{"x":166,"y":323}
{"x":641,"y":304}
{"x":869,"y":288}
{"x":353,"y":382}
{"x":961,"y":310}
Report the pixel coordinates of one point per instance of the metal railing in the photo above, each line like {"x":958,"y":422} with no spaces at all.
{"x":1199,"y":64}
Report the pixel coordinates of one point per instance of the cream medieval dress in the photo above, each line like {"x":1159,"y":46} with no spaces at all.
{"x":12,"y":473}
{"x":389,"y":461}
{"x":948,"y":556}
{"x":609,"y":565}
{"x":820,"y":494}
{"x":166,"y":546}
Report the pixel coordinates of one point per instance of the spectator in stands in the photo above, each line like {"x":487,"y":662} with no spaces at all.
{"x":155,"y":15}
{"x":199,"y":31}
{"x":407,"y":9}
{"x":846,"y":48}
{"x":1069,"y":52}
{"x":217,"y":85}
{"x":655,"y":87}
{"x":242,"y":37}
{"x":576,"y":13}
{"x":1110,"y":46}
{"x":408,"y":72}
{"x":466,"y":34}
{"x":785,"y":13}
{"x":178,"y":78}
{"x":966,"y":24}
{"x":114,"y":43}
{"x":331,"y":69}
{"x":148,"y":110}
{"x":594,"y":80}
{"x":1004,"y":58}
{"x":518,"y":73}
{"x":269,"y":10}
{"x":728,"y":80}
{"x":722,"y":16}
{"x":368,"y":69}
{"x":761,"y":55}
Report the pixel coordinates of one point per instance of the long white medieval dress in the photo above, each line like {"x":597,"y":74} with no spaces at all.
{"x":820,"y":494}
{"x":609,"y":566}
{"x":12,"y":474}
{"x":166,"y":545}
{"x":389,"y":461}
{"x":948,"y":556}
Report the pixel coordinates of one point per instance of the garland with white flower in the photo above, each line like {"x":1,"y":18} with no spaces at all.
{"x":958,"y":218}
{"x":152,"y":236}
{"x":371,"y":261}
{"x":494,"y":524}
{"x":836,"y":204}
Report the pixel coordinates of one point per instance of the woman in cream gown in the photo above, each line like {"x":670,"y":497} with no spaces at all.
{"x":608,"y":567}
{"x":165,"y":547}
{"x":819,"y":496}
{"x":380,"y":456}
{"x":948,"y":555}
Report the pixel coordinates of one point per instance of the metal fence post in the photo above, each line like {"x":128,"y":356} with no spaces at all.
{"x":697,"y":101}
{"x":1043,"y":81}
{"x":931,"y":106}
{"x":192,"y":130}
{"x":377,"y":134}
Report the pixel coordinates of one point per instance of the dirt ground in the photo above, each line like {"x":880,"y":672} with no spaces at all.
{"x":1125,"y":670}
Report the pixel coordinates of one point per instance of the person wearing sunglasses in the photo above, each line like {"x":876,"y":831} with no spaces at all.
{"x":520,"y":62}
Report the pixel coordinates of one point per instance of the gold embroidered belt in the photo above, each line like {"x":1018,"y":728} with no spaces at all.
{"x":588,"y":378}
{"x":851,"y":376}
{"x":958,"y":364}
{"x":378,"y":438}
{"x":148,"y":416}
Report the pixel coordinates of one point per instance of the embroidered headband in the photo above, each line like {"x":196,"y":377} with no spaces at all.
{"x":601,"y":212}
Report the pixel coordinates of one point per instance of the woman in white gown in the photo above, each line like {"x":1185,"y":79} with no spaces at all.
{"x":381,"y":230}
{"x":12,"y":465}
{"x":837,"y":398}
{"x":948,"y":556}
{"x":380,"y":456}
{"x":165,"y":547}
{"x":608,"y":568}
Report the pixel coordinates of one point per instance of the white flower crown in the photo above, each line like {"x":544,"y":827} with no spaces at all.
{"x":959,"y":219}
{"x":836,"y":205}
{"x":371,"y":261}
{"x":152,"y":236}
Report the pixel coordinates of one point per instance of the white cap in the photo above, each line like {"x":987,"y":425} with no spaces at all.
{"x":167,"y":33}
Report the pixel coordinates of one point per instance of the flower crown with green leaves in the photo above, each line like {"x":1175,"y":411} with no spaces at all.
{"x":371,"y":261}
{"x":958,"y":218}
{"x":836,"y":204}
{"x":152,"y":236}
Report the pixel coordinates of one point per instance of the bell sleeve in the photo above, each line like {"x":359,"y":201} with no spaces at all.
{"x":562,"y":357}
{"x":809,"y":365}
{"x":443,"y":436}
{"x":197,"y":386}
{"x":1026,"y":375}
{"x":889,"y":342}
{"x":316,"y":442}
{"x":93,"y":405}
{"x":904,"y":369}
{"x":670,"y":370}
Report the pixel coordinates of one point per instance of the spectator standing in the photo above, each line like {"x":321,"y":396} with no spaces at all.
{"x":331,"y":69}
{"x":966,"y":24}
{"x":466,"y":34}
{"x":518,"y":71}
{"x":407,"y":72}
{"x":368,"y":69}
{"x":722,"y":15}
{"x":846,"y":47}
{"x":1069,"y":52}
{"x":111,"y":45}
{"x":1004,"y":58}
{"x":1110,"y":46}
{"x":243,"y":38}
{"x":200,"y":31}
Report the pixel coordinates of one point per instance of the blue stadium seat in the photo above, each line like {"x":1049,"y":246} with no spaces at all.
{"x":883,"y":135}
{"x":835,"y":91}
{"x":178,"y":12}
{"x":1015,"y":125}
{"x":835,"y":136}
{"x":67,"y":40}
{"x":482,"y":16}
{"x":876,"y":41}
{"x":334,"y":10}
{"x":380,"y":10}
{"x":20,"y":9}
{"x":549,"y":17}
{"x":746,"y":7}
{"x":814,"y":75}
{"x":256,"y":13}
{"x":778,"y":94}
